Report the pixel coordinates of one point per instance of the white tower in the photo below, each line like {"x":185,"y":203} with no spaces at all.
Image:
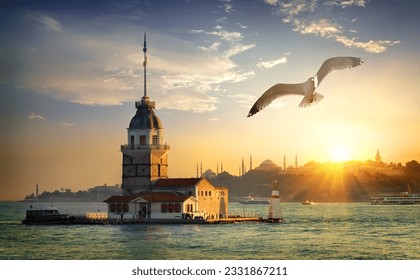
{"x":145,"y":157}
{"x":274,"y":211}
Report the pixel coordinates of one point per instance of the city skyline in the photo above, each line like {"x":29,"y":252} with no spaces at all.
{"x":71,"y":72}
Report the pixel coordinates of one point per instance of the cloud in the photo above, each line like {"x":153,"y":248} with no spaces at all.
{"x":183,"y":75}
{"x":271,"y":2}
{"x":227,"y":6}
{"x":310,"y":17}
{"x":242,"y":26}
{"x":222,"y":34}
{"x":237,"y":49}
{"x":271,"y":64}
{"x":46,"y":21}
{"x":245,"y":100}
{"x":213,"y":47}
{"x":370,"y":46}
{"x":34,"y":116}
{"x":348,"y":3}
{"x":323,"y":28}
{"x":67,"y":124}
{"x":105,"y":68}
{"x":200,"y":86}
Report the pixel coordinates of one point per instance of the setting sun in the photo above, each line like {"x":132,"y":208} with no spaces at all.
{"x":339,"y":153}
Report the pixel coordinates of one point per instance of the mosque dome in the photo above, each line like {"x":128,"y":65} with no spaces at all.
{"x":145,"y":117}
{"x":268,"y":165}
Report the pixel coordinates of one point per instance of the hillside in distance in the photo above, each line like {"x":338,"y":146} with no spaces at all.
{"x":321,"y":184}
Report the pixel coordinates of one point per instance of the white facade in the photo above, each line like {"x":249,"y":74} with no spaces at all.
{"x":184,"y":209}
{"x":148,"y":205}
{"x":132,"y":212}
{"x":144,"y":137}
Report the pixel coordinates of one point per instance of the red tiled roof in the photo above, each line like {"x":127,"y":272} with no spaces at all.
{"x":176,"y":182}
{"x":121,"y":198}
{"x":163,"y":197}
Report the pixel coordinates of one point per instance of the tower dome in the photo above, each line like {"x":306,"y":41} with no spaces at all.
{"x":145,"y":117}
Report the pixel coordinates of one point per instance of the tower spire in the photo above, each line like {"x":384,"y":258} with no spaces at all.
{"x":145,"y":63}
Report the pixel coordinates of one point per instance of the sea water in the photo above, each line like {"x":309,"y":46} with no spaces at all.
{"x":342,"y":231}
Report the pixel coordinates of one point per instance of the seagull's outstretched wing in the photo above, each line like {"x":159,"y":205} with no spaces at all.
{"x":336,"y":63}
{"x":275,"y":92}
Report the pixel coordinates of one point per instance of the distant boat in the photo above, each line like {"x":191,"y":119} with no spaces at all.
{"x":399,"y":199}
{"x":255,"y":200}
{"x":307,"y":202}
{"x":38,"y":214}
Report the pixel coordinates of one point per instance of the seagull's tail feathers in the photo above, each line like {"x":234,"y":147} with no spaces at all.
{"x":310,"y":99}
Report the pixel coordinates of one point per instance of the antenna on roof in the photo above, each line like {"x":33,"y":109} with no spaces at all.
{"x":145,"y":62}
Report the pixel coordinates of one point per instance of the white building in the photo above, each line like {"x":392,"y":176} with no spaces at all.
{"x":148,"y":206}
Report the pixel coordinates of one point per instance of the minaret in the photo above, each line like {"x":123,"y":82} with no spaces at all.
{"x":217,"y":172}
{"x":250,"y":162}
{"x":36,"y":191}
{"x":284,"y":162}
{"x":274,"y":211}
{"x":296,"y":162}
{"x":221,"y":167}
{"x":378,"y":157}
{"x":145,"y":156}
{"x":197,"y":169}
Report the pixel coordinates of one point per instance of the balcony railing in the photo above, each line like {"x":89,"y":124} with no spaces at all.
{"x":126,"y":147}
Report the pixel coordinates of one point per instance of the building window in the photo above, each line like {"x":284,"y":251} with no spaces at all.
{"x":171,"y":207}
{"x":154,"y":140}
{"x":142,"y":139}
{"x":119,"y":207}
{"x":209,"y":193}
{"x":190,"y":208}
{"x":132,"y":141}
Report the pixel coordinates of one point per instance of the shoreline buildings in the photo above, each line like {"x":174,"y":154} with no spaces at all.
{"x":147,"y":192}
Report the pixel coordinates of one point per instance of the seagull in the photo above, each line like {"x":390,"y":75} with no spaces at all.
{"x":307,"y":89}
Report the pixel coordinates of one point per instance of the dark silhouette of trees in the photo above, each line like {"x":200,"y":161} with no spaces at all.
{"x":412,"y":167}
